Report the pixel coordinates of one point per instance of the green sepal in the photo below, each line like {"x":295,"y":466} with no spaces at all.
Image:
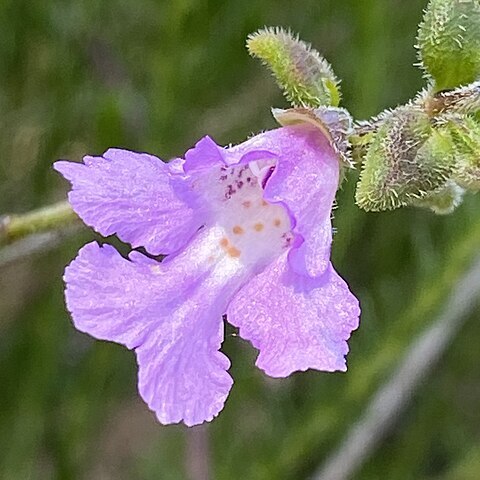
{"x":407,"y":160}
{"x":459,"y":101}
{"x":449,"y":42}
{"x":306,"y":78}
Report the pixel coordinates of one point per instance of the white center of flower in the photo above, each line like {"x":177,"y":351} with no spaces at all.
{"x":248,"y":228}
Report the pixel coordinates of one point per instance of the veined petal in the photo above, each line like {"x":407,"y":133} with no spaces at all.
{"x":295,"y":321}
{"x":182,"y":375}
{"x":136,"y":196}
{"x":110,"y":297}
{"x":170,"y":313}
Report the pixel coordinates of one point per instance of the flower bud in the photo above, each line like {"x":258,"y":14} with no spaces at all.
{"x":407,"y":160}
{"x":449,"y":42}
{"x":465,"y":132}
{"x":305,"y":77}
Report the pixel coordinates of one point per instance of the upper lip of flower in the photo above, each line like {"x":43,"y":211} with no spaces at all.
{"x":230,"y":249}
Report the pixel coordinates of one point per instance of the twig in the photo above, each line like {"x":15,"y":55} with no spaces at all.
{"x":393,"y":397}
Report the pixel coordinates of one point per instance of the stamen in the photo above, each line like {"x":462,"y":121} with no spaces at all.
{"x":254,"y":168}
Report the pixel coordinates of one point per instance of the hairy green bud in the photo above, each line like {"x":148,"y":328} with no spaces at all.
{"x":305,"y":77}
{"x":449,"y":42}
{"x":406,"y":161}
{"x":465,"y":132}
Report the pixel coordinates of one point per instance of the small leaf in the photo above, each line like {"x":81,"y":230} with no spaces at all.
{"x":449,"y":42}
{"x":305,"y":77}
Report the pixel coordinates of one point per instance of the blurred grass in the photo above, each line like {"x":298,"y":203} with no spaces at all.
{"x":155,"y":75}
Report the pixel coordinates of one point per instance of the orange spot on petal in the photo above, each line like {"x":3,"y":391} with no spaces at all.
{"x":237,"y":230}
{"x":247,"y":204}
{"x":258,"y":227}
{"x":277,"y":222}
{"x":264,"y":203}
{"x":234,"y":252}
{"x":224,"y":242}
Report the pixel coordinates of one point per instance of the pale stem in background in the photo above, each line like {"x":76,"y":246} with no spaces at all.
{"x":197,"y":455}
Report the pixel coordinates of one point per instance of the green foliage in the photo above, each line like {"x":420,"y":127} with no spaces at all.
{"x":305,"y":77}
{"x":426,"y":152}
{"x":449,"y":42}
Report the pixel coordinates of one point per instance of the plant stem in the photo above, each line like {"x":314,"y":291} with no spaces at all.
{"x":14,"y":227}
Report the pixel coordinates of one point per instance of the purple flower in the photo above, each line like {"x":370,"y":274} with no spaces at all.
{"x":247,"y":233}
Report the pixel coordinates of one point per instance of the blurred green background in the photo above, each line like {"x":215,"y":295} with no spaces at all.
{"x":155,"y":75}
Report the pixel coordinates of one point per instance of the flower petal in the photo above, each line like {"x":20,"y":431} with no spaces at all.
{"x":296,"y":322}
{"x":136,"y":196}
{"x":204,"y":155}
{"x":169,"y":312}
{"x":306,"y":180}
{"x":110,"y":297}
{"x":182,"y":375}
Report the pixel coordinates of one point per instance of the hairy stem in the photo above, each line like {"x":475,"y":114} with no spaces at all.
{"x":52,"y":217}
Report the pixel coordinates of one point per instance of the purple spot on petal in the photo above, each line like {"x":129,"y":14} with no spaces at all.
{"x":267,"y":176}
{"x":229,"y":192}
